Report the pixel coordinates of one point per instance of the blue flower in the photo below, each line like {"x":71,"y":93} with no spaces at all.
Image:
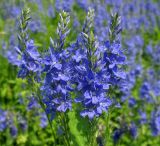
{"x":155,"y":123}
{"x":43,"y":120}
{"x":32,"y":50}
{"x":51,"y":11}
{"x":22,"y":123}
{"x":132,"y":102}
{"x":36,"y":26}
{"x":62,"y":104}
{"x":56,"y":87}
{"x":117,"y":135}
{"x":15,"y":11}
{"x":94,"y":105}
{"x":114,"y":57}
{"x":133,"y":130}
{"x":30,"y":60}
{"x":13,"y":131}
{"x":12,"y":57}
{"x":145,"y":92}
{"x":93,"y":80}
{"x":33,"y":103}
{"x":143,"y":117}
{"x":3,"y":120}
{"x":23,"y":72}
{"x":156,"y":88}
{"x":96,"y":67}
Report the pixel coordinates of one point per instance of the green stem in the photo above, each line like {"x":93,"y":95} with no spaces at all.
{"x":65,"y":128}
{"x":48,"y":118}
{"x":107,"y":128}
{"x":92,"y":133}
{"x":36,"y":88}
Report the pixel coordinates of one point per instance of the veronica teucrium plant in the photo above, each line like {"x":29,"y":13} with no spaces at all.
{"x":77,"y":77}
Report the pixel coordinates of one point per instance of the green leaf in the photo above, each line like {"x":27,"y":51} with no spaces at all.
{"x":78,"y":128}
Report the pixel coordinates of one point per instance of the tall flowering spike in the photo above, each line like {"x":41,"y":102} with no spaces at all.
{"x":23,"y":27}
{"x":89,"y":21}
{"x":90,"y":76}
{"x":29,"y":55}
{"x":62,"y":30}
{"x":56,"y":88}
{"x":115,"y":28}
{"x":88,"y":36}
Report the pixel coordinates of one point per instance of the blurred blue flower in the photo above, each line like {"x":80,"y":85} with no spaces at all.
{"x":43,"y":120}
{"x":133,"y":130}
{"x":143,"y":117}
{"x":155,"y":123}
{"x":117,"y":135}
{"x":13,"y":131}
{"x":145,"y":92}
{"x":51,"y":11}
{"x":3,"y":120}
{"x":132,"y":102}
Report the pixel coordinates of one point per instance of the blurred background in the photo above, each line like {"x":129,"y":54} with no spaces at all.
{"x":23,"y":122}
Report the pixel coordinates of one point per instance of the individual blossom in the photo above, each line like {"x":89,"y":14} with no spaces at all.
{"x":30,"y":60}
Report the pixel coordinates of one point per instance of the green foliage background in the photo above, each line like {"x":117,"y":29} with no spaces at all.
{"x":11,"y":89}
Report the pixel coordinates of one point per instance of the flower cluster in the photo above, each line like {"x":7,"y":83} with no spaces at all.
{"x":7,"y":121}
{"x":87,"y":67}
{"x":56,"y":86}
{"x":86,"y":71}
